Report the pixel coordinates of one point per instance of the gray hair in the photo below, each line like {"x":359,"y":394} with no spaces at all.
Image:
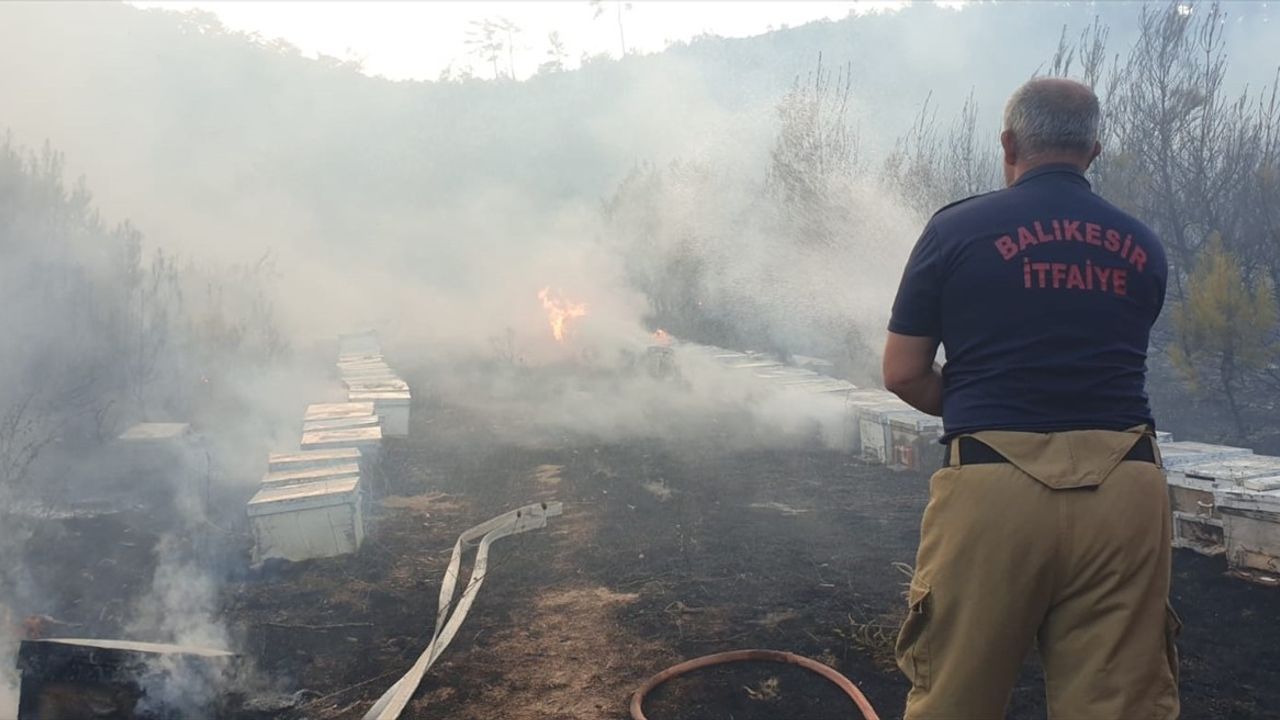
{"x":1053,"y":115}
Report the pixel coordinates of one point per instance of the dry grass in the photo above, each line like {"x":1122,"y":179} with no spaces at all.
{"x":876,"y":635}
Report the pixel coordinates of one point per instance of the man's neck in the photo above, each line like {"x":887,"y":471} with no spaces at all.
{"x":1040,"y":161}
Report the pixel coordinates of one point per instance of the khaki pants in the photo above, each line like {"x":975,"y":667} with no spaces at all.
{"x":1067,"y":548}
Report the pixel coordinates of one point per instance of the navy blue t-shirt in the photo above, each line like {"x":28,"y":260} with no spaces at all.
{"x":1043,"y":295}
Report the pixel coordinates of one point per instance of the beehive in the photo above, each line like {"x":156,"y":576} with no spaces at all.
{"x":305,"y":521}
{"x":391,"y":406}
{"x":356,"y":362}
{"x":75,"y":678}
{"x":1251,"y":521}
{"x":1193,"y":492}
{"x":367,"y":439}
{"x":152,"y":464}
{"x":914,"y":439}
{"x":157,"y":432}
{"x":875,"y":429}
{"x":332,"y":411}
{"x":858,"y":405}
{"x":341,"y":423}
{"x":827,"y":386}
{"x":376,"y":385}
{"x":1175,"y":455}
{"x":299,"y":476}
{"x":280,"y":462}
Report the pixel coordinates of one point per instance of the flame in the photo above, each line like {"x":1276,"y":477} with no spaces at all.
{"x":560,"y":312}
{"x":662,"y":337}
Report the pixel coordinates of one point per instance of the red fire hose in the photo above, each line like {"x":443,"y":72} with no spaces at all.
{"x":786,"y":658}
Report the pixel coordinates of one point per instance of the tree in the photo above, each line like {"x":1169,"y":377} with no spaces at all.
{"x":556,"y":54}
{"x":815,"y":153}
{"x":489,"y":39}
{"x":509,"y":30}
{"x":1197,"y":162}
{"x":454,"y":73}
{"x":1227,"y":328}
{"x":929,"y":170}
{"x":619,"y":8}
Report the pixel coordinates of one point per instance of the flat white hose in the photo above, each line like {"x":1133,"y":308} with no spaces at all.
{"x":529,"y":517}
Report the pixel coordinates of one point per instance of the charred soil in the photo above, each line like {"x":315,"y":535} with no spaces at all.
{"x":666,"y":550}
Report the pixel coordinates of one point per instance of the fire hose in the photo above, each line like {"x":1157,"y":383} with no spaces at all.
{"x":845,"y":684}
{"x":529,"y":517}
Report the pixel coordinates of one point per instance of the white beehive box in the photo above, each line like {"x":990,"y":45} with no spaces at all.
{"x":296,"y":476}
{"x":813,"y":363}
{"x":301,"y":522}
{"x":1193,"y":492}
{"x":354,"y":362}
{"x":828,"y":386}
{"x":280,"y":462}
{"x":816,"y":386}
{"x":360,"y":356}
{"x":151,"y":462}
{"x":1201,"y":533}
{"x":1234,"y":470}
{"x":379,"y":370}
{"x":1192,"y":487}
{"x":1252,"y":530}
{"x":156,"y":447}
{"x":753,"y":364}
{"x":914,"y":437}
{"x":341,"y":423}
{"x":333,"y":411}
{"x":875,"y":432}
{"x":1175,"y":455}
{"x":366,"y":440}
{"x":784,"y":372}
{"x":372,"y":374}
{"x":856,"y":401}
{"x":1261,"y":484}
{"x":391,"y":407}
{"x":375,"y":385}
{"x":156,"y":432}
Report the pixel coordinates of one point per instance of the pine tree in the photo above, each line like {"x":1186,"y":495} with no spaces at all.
{"x":1226,"y":327}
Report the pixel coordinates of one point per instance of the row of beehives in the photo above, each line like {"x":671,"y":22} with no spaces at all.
{"x":310,"y":503}
{"x":870,"y":422}
{"x":1225,"y":500}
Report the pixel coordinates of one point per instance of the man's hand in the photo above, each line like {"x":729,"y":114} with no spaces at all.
{"x":911,"y":373}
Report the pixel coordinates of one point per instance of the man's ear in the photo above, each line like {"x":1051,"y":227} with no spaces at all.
{"x":1010,"y":147}
{"x":1097,"y":150}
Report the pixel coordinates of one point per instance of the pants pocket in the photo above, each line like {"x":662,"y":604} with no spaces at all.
{"x":1172,"y":629}
{"x":912,"y":649}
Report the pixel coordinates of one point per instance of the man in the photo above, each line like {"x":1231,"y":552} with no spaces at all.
{"x":1050,"y":524}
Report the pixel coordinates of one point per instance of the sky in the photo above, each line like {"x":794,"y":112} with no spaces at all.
{"x":417,"y":40}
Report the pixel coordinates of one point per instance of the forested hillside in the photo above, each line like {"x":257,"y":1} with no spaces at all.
{"x":677,"y":188}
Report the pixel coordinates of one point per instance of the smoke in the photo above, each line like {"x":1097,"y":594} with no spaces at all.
{"x":278,"y":202}
{"x":8,"y":670}
{"x":15,"y":592}
{"x":798,"y":294}
{"x":181,"y":608}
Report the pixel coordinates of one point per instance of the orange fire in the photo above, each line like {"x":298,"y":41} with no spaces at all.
{"x":662,"y":337}
{"x":560,"y":312}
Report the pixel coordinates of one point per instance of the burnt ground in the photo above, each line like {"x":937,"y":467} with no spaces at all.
{"x":667,"y":550}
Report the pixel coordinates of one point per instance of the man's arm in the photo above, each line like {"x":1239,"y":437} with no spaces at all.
{"x":911,"y":373}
